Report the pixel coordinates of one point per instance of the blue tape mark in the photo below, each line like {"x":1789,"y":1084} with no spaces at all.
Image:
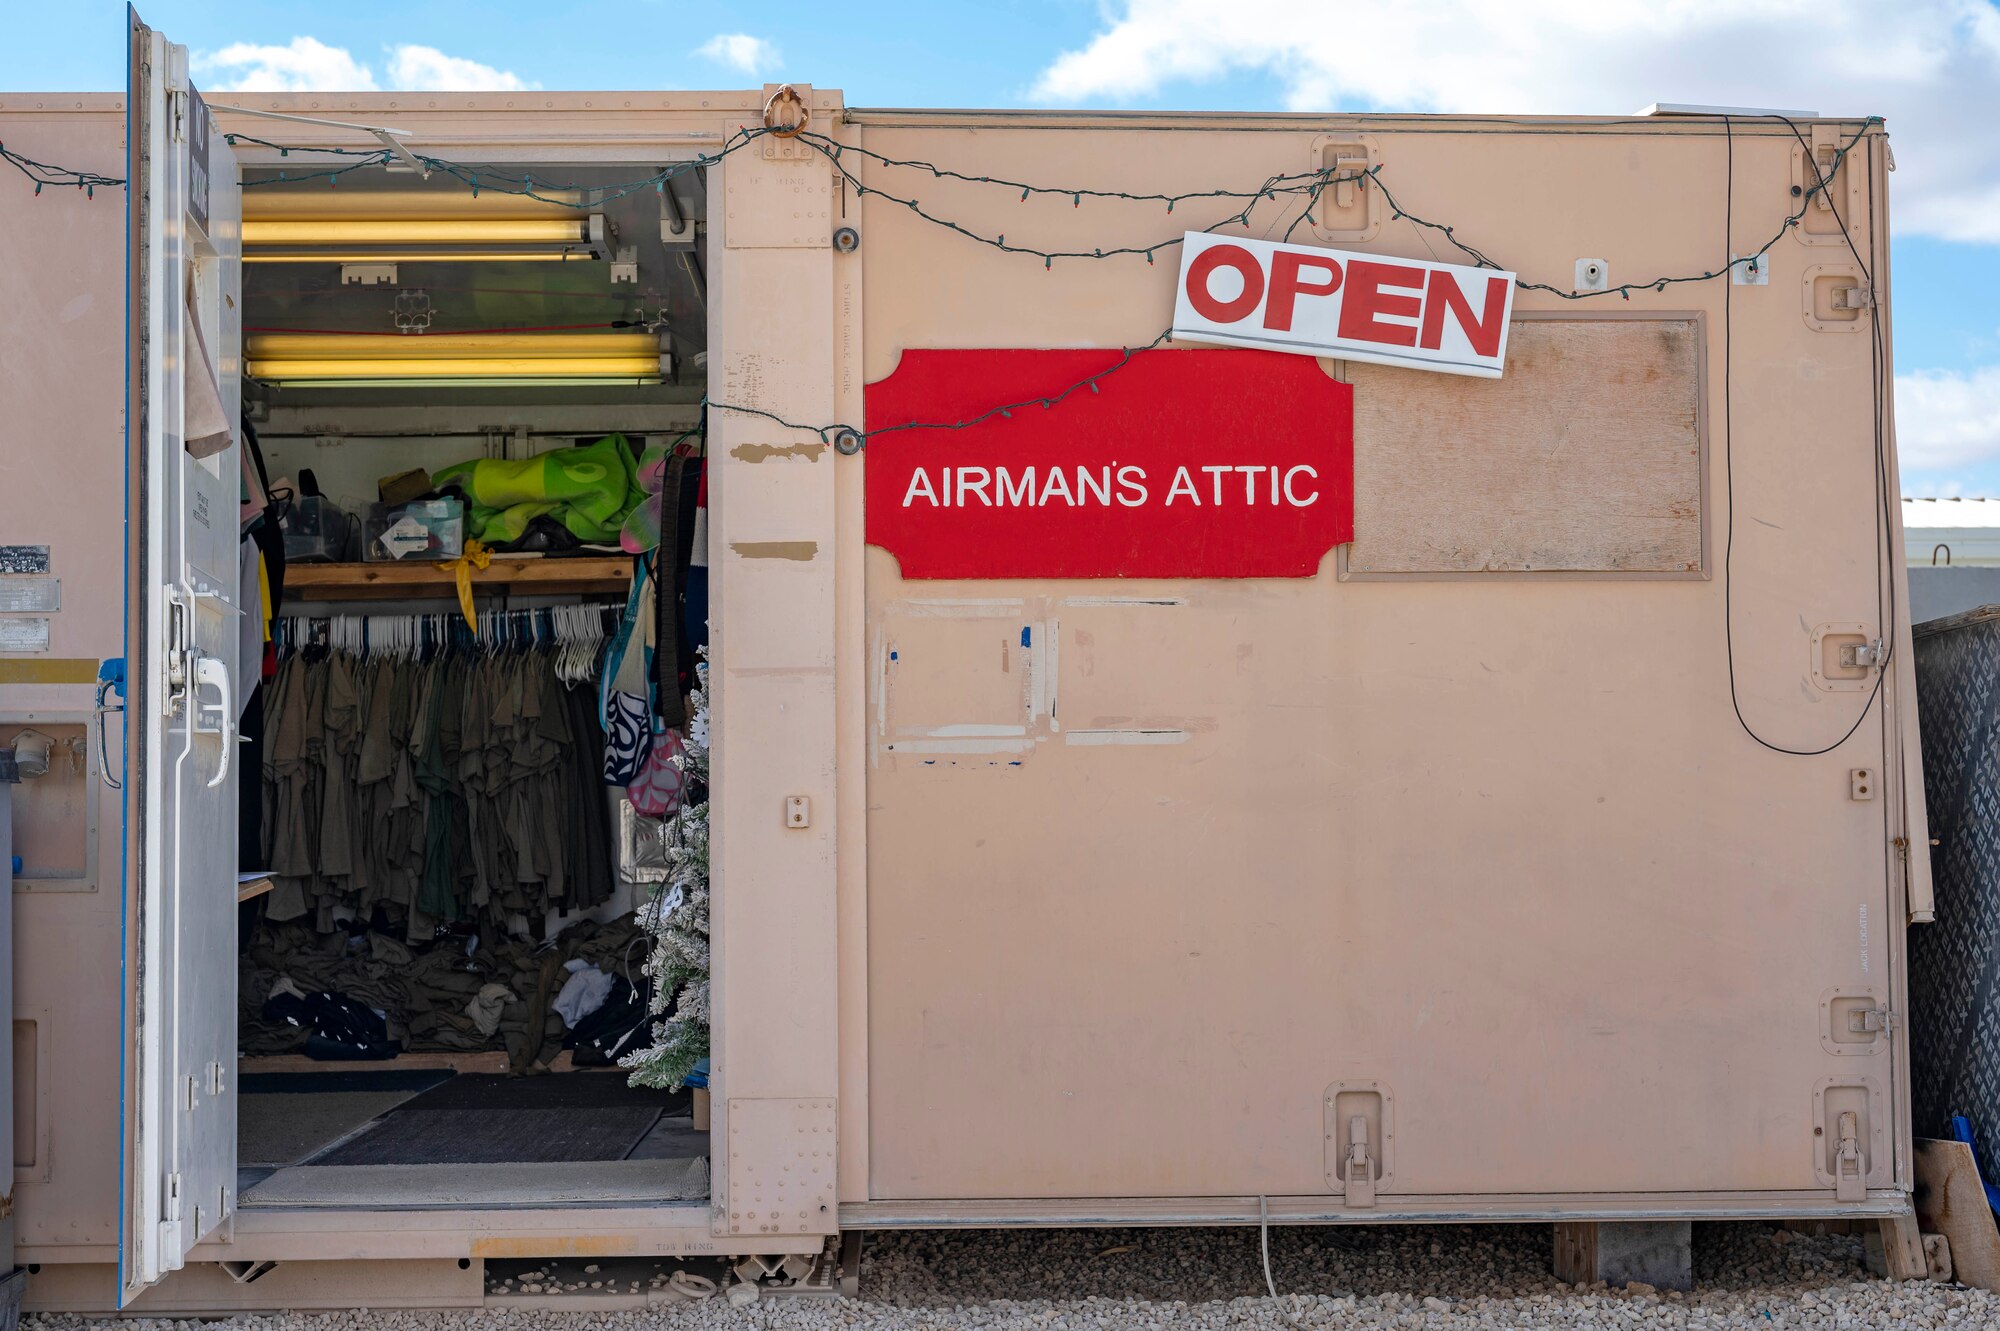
{"x":1027,"y":635}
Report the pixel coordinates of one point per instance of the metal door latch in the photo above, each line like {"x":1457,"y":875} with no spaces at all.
{"x":1861,"y":655}
{"x":1826,"y":160}
{"x":1359,"y":1173}
{"x":1350,"y":173}
{"x":1869,"y":1021}
{"x":1852,"y":298}
{"x":1849,"y":1175}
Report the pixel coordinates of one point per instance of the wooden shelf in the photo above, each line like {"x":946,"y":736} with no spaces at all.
{"x":408,"y":579}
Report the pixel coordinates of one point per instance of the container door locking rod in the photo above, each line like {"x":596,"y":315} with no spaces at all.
{"x":388,"y":137}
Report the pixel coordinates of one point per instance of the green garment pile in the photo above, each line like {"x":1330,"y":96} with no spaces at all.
{"x":589,"y":489}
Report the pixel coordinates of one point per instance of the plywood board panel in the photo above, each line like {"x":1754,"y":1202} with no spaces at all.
{"x":1950,"y":1201}
{"x":1585,"y":457}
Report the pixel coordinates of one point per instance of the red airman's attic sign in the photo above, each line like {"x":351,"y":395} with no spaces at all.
{"x":1181,"y":464}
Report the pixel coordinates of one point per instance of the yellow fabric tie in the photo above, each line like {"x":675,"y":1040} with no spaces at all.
{"x":476,"y":557}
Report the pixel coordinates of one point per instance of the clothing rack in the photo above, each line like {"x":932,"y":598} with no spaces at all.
{"x":577,"y":632}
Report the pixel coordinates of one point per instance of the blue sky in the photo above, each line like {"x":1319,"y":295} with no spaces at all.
{"x":1936,"y":76}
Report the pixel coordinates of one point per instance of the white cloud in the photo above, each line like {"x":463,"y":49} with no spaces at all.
{"x":741,"y":51}
{"x":1947,"y":418}
{"x":307,"y":64}
{"x":1932,"y":67}
{"x":427,"y":69}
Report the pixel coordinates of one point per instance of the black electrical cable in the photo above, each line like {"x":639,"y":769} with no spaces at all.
{"x":1878,"y":366}
{"x":1823,"y":184}
{"x":44,"y":173}
{"x":828,"y":433}
{"x":1308,"y":183}
{"x":835,"y":149}
{"x":1482,"y":260}
{"x":489,"y":178}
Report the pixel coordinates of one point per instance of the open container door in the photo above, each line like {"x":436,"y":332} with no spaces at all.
{"x":183,"y":607}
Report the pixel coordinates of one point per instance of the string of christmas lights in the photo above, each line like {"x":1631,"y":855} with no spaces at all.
{"x":45,"y":173}
{"x":1309,"y":185}
{"x":1822,"y":184}
{"x":831,"y":434}
{"x":571,"y":195}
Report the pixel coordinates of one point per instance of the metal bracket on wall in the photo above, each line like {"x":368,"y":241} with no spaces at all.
{"x":1750,"y":270}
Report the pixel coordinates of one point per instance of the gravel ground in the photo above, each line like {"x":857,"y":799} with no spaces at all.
{"x":1433,"y":1278}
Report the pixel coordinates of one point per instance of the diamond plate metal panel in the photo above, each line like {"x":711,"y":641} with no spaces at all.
{"x":781,"y":1167}
{"x":1954,"y":962}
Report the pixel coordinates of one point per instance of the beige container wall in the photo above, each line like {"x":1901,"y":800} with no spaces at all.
{"x":1496,"y":842}
{"x":62,"y":483}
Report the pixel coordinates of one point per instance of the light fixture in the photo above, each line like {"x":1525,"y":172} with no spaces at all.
{"x":353,"y":360}
{"x":341,"y":236}
{"x":418,"y":231}
{"x":419,"y":256}
{"x":358,"y":204}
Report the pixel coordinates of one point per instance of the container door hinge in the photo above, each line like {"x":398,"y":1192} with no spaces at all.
{"x":1850,"y":1176}
{"x":1359,"y":1167}
{"x":170,"y":1218}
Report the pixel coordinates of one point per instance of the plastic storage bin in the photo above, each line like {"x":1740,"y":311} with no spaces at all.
{"x":316,"y":531}
{"x":426,"y":529}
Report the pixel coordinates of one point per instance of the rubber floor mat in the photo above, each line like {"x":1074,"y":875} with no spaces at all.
{"x":496,"y":1136}
{"x":286,"y":1129}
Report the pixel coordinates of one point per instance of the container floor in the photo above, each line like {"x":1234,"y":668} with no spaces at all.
{"x":460,"y":1187}
{"x":434,"y":1138}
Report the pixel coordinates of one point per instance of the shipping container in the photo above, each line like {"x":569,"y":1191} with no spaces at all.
{"x":1467,"y":775}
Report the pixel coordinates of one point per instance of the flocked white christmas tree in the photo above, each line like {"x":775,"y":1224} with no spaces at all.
{"x":677,"y":919}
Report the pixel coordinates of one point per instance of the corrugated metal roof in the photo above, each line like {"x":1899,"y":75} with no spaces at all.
{"x":1951,"y":514}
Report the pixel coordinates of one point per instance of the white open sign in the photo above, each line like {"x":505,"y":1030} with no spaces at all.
{"x":1319,"y":302}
